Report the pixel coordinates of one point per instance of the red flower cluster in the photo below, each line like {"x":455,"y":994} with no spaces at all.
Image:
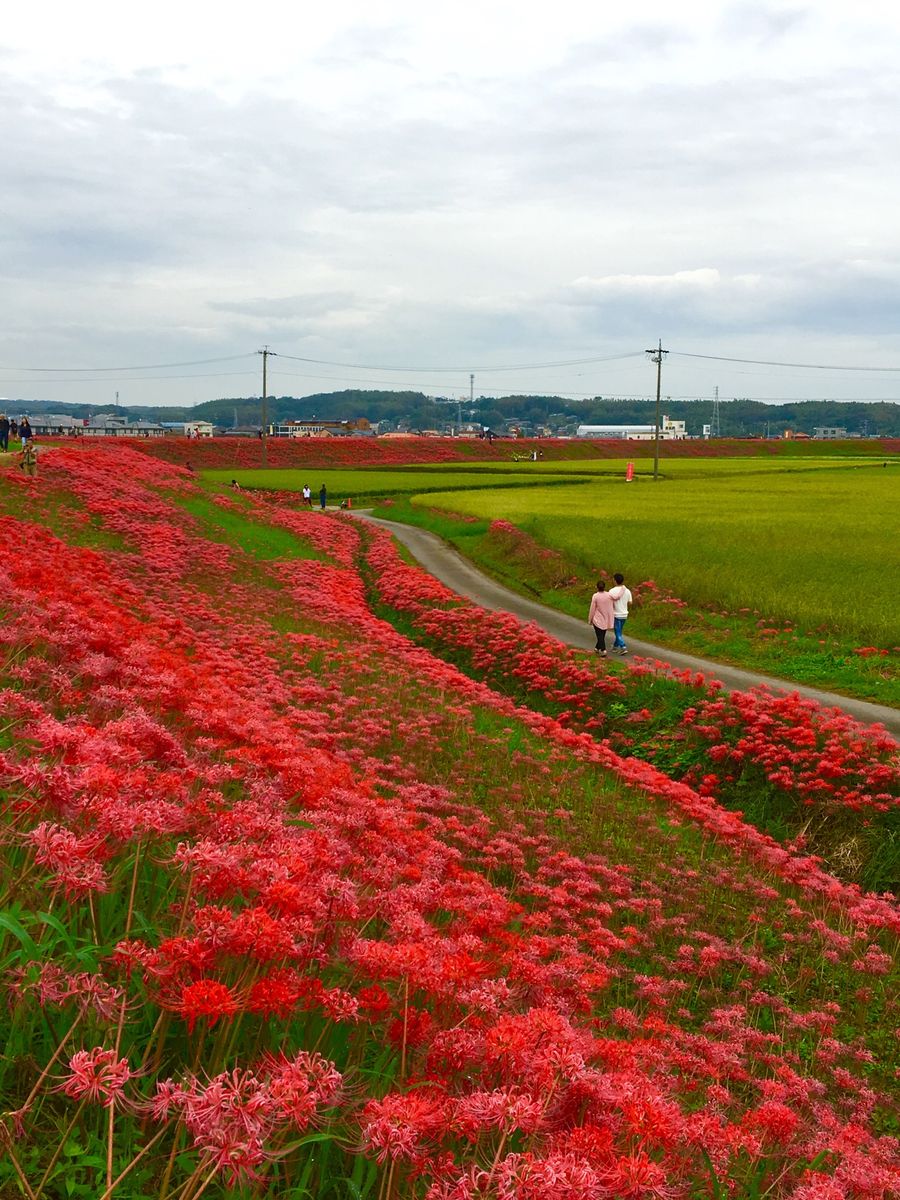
{"x":489,"y":966}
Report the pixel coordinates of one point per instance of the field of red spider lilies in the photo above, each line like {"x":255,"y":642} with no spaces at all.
{"x":229,"y":453}
{"x":294,"y":906}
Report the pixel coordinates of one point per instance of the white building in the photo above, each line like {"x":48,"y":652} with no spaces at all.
{"x":670,"y":430}
{"x":359,"y":427}
{"x":190,"y":429}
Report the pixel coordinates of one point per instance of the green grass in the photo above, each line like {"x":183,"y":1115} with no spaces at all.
{"x":807,"y":550}
{"x":238,"y":529}
{"x":815,"y":548}
{"x":368,"y":483}
{"x":677,"y":468}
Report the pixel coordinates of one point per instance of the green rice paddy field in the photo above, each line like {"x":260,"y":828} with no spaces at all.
{"x":787,"y":566}
{"x":374,"y":483}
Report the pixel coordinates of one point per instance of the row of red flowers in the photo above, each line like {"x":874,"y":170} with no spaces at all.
{"x":820,"y":759}
{"x":238,"y":777}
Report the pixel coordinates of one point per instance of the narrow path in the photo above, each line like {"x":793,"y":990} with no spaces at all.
{"x":456,"y":572}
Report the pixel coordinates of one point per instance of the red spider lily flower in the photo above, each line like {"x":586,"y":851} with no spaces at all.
{"x":206,"y":998}
{"x":374,"y":1001}
{"x":96,"y":1075}
{"x":638,"y":1177}
{"x":504,"y":1109}
{"x":229,"y":1120}
{"x":301,"y":1086}
{"x":400,"y":1126}
{"x":54,"y":986}
{"x":817,"y":1186}
{"x":775,"y":1122}
{"x":73,"y":860}
{"x":276,"y":995}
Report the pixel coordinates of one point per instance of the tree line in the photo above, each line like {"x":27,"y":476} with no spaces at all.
{"x":416,"y":411}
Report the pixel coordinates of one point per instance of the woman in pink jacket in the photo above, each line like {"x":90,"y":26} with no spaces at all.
{"x":601,"y":615}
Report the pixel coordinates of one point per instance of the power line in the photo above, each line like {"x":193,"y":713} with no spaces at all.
{"x":762,"y":362}
{"x":197,"y":362}
{"x":569,"y":362}
{"x":137,"y":378}
{"x":327,"y":362}
{"x":408,"y":384}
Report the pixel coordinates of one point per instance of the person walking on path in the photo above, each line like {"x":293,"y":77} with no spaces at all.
{"x":25,"y":431}
{"x":323,"y":497}
{"x":4,"y":432}
{"x":622,"y":598}
{"x":307,"y":495}
{"x":601,"y":616}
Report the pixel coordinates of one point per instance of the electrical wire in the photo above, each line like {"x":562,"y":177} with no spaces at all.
{"x":762,"y":362}
{"x":137,"y":378}
{"x":569,"y":362}
{"x":197,"y":362}
{"x":276,"y":373}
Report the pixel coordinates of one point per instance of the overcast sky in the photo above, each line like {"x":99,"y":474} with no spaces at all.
{"x":403,"y":185}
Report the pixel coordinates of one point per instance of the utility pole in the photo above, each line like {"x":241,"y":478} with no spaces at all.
{"x":657,"y":357}
{"x":265,"y":352}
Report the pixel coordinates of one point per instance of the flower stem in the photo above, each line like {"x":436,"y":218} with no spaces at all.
{"x":59,"y":1149}
{"x":111,"y":1187}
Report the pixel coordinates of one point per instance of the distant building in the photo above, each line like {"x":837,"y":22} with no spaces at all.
{"x":56,"y":425}
{"x":358,"y":427}
{"x":829,"y":433}
{"x":107,"y":426}
{"x":200,"y":429}
{"x":670,"y":430}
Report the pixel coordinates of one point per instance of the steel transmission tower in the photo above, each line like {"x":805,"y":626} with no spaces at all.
{"x":715,"y":425}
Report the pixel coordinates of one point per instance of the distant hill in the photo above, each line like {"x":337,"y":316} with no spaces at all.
{"x":739,"y":418}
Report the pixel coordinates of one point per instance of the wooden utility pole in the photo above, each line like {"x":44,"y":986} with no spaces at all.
{"x":265,"y":352}
{"x":657,"y":357}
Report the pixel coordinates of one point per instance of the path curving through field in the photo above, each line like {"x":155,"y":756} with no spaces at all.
{"x":456,"y":572}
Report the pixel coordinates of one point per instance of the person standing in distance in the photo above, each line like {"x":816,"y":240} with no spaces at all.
{"x":323,"y":497}
{"x":307,"y":495}
{"x":601,"y":616}
{"x":622,"y":598}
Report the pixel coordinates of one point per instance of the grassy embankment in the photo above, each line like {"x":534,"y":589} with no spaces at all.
{"x":241,"y":833}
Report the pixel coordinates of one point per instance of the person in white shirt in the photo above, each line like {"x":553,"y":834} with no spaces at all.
{"x":621,"y":598}
{"x":307,"y":495}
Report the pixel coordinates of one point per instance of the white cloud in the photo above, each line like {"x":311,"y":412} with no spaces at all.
{"x":421,"y":185}
{"x":704,"y":279}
